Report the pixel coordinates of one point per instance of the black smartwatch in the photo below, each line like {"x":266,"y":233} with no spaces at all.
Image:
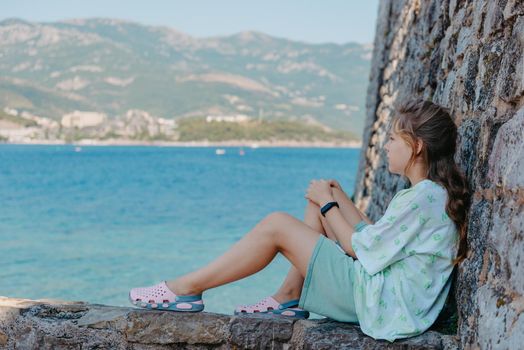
{"x":328,"y":206}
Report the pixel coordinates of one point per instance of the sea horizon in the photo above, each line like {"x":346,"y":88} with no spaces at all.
{"x":234,"y":143}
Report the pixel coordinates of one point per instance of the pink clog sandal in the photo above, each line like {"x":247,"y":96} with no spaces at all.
{"x":269,"y":305}
{"x":160,"y":297}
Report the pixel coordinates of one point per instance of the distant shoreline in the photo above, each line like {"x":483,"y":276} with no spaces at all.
{"x":248,"y":144}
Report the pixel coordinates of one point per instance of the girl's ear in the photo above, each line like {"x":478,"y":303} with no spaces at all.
{"x":418,"y":146}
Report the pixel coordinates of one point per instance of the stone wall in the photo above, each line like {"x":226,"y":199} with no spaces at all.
{"x":467,"y":56}
{"x":30,"y":324}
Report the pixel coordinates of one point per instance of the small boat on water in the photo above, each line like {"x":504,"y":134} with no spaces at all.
{"x":78,"y":149}
{"x":220,"y":151}
{"x":241,"y":152}
{"x":254,"y":145}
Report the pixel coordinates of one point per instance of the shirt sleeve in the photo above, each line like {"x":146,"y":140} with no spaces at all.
{"x":381,"y":244}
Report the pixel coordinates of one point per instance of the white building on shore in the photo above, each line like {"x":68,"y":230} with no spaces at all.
{"x":82,"y":119}
{"x":237,"y":118}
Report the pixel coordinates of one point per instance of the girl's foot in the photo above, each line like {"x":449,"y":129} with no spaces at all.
{"x":179,"y":287}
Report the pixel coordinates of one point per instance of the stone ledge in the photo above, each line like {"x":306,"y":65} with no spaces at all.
{"x":56,"y":324}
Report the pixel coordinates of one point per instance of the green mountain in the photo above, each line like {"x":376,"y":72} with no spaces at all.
{"x":112,"y":66}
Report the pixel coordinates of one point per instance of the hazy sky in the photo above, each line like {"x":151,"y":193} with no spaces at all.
{"x":317,"y":21}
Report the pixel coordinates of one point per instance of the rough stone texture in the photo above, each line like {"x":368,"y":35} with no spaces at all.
{"x":469,"y":57}
{"x":55,"y":324}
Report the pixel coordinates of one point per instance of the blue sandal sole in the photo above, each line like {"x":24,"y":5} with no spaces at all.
{"x":169,"y":307}
{"x":287,"y":306}
{"x":300,"y":314}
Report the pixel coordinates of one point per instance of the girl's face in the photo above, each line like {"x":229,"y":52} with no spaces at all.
{"x":398,"y":152}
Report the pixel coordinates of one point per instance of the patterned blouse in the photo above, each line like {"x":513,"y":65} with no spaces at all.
{"x":402,"y":275}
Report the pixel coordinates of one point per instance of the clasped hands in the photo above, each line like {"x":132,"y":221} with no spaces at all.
{"x":320,"y":191}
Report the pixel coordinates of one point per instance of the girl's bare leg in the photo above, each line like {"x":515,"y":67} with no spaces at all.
{"x":292,"y":285}
{"x":278,"y":232}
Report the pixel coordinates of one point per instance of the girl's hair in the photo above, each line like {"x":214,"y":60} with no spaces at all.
{"x":432,"y":124}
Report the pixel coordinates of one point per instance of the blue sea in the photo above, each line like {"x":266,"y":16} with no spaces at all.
{"x":92,"y":223}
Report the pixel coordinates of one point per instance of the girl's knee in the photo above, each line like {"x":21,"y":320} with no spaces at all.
{"x":276,"y":219}
{"x":272,"y":225}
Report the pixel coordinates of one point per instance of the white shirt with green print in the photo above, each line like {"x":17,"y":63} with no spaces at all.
{"x":402,"y":275}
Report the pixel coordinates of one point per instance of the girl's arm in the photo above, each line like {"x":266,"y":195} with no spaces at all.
{"x":364,"y":217}
{"x":342,"y":229}
{"x":336,"y":186}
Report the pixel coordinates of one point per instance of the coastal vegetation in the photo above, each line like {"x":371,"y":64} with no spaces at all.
{"x":197,"y":129}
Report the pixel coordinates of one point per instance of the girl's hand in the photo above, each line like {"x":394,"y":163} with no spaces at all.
{"x":334,"y":183}
{"x":319,"y":192}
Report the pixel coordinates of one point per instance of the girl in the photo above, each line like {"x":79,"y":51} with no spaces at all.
{"x":391,"y":277}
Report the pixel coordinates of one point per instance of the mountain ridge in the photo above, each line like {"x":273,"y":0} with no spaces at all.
{"x":112,"y":65}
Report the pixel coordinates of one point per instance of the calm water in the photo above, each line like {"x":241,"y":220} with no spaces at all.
{"x":90,"y":225}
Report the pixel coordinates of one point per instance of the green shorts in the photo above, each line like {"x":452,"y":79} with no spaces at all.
{"x":328,"y":286}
